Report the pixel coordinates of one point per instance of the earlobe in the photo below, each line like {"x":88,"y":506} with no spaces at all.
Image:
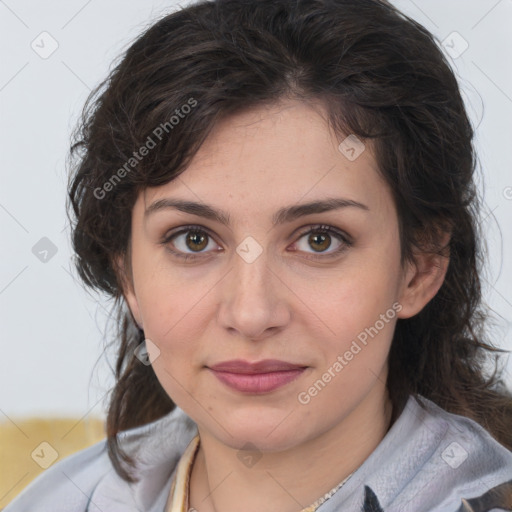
{"x":422,"y":281}
{"x":128,"y":291}
{"x":131,"y":300}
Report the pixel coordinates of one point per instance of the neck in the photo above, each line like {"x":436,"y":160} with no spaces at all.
{"x":291,"y":480}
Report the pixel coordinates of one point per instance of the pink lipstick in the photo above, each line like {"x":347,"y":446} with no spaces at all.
{"x":258,"y":377}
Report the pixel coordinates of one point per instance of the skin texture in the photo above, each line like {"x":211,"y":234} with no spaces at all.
{"x":283,"y":305}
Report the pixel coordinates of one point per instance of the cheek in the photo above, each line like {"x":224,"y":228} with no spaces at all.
{"x":175,"y":327}
{"x":177,"y":309}
{"x":171,"y":299}
{"x":356,"y":300}
{"x":359,"y":313}
{"x":352,"y":359}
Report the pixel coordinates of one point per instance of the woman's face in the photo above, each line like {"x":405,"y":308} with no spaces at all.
{"x":260,"y":287}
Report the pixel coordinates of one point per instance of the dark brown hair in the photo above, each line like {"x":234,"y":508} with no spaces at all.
{"x":383,"y":78}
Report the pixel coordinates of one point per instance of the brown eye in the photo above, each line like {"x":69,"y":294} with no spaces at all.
{"x":320,"y":239}
{"x":190,"y":243}
{"x":196,"y":240}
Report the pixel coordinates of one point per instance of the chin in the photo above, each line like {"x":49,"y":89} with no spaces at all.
{"x":266,"y":436}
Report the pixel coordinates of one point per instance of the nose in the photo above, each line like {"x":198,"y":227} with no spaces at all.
{"x":253,"y":302}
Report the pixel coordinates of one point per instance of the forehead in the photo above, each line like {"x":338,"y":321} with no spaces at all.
{"x":279,"y":154}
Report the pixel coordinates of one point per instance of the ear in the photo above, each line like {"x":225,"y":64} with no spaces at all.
{"x":128,"y":289}
{"x":423,"y":278}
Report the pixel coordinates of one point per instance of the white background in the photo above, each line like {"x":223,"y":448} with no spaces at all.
{"x":52,"y":331}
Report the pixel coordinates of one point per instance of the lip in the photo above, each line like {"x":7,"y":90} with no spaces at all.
{"x":258,"y":377}
{"x":248,"y":368}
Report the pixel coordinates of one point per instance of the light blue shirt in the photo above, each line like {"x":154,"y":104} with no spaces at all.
{"x":429,"y":461}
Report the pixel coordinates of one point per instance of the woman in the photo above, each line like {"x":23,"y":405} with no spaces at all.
{"x":279,"y":196}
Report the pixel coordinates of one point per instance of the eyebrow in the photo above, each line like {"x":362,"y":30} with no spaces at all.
{"x":282,"y":216}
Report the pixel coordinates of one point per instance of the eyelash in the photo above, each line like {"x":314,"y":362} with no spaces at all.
{"x":320,"y":229}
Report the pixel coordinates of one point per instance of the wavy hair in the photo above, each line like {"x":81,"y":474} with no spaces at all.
{"x":382,"y":77}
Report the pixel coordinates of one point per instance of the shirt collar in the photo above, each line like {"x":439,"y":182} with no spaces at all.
{"x":179,"y":500}
{"x":179,"y":493}
{"x":156,"y":449}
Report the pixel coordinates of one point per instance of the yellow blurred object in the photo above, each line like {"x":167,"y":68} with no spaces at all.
{"x":28,"y":447}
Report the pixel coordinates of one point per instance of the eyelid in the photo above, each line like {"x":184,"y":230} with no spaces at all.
{"x":185,"y":229}
{"x":328,"y":229}
{"x":345,"y":239}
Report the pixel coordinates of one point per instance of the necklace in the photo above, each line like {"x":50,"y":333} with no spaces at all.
{"x":326,"y":496}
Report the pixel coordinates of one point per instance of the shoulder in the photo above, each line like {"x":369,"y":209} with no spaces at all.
{"x":467,"y":433}
{"x":430,"y":460}
{"x":87,"y":479}
{"x":66,"y":485}
{"x":466,"y":462}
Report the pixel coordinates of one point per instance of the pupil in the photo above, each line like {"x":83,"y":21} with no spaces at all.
{"x":199,"y":240}
{"x":323,"y":237}
{"x":196,"y":239}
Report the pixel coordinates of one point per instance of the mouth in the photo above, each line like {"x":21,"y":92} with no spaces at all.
{"x":258,"y":377}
